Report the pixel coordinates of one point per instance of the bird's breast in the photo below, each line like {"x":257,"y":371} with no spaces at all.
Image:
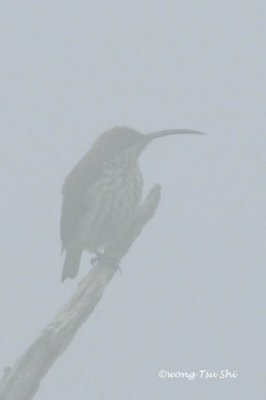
{"x":112,"y":202}
{"x":123,"y":190}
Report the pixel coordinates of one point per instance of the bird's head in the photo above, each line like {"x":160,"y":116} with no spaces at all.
{"x":121,"y":140}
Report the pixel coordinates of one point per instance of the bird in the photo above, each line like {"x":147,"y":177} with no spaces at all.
{"x":102,"y":192}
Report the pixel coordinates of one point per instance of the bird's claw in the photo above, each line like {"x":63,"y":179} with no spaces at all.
{"x":106,"y":260}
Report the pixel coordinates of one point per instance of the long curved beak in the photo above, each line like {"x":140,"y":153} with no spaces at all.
{"x":168,"y":132}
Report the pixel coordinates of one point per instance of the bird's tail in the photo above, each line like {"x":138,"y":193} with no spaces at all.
{"x":71,"y":265}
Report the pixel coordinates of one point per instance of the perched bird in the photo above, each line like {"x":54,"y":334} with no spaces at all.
{"x":102,"y":193}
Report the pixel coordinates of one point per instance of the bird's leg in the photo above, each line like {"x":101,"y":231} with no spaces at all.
{"x":95,"y":260}
{"x":107,"y":260}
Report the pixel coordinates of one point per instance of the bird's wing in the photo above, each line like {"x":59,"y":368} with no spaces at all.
{"x":75,"y":199}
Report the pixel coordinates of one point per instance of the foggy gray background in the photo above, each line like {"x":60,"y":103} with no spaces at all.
{"x":192,"y":289}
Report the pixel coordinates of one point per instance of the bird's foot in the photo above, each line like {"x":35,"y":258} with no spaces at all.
{"x":102,"y":258}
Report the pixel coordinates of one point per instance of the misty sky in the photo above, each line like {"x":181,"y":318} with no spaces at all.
{"x":192,"y":292}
